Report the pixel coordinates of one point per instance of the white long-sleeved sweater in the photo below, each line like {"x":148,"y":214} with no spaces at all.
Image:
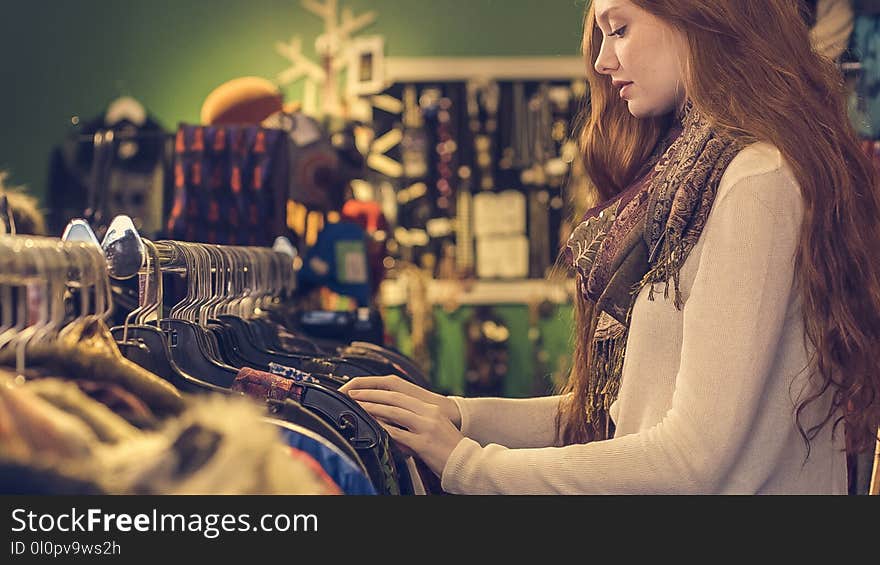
{"x":708,"y":393}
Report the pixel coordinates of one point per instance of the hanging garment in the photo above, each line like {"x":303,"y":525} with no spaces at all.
{"x":297,"y":375}
{"x":126,"y":173}
{"x":221,"y":445}
{"x":217,"y":445}
{"x":33,"y":427}
{"x":108,"y":426}
{"x":293,"y":413}
{"x":229,"y":185}
{"x":87,"y":350}
{"x":259,"y":384}
{"x":337,"y":465}
{"x":122,"y":402}
{"x":316,"y":467}
{"x":370,"y":441}
{"x":391,"y":362}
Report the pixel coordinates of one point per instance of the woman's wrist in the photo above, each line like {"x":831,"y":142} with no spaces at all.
{"x":453,"y":412}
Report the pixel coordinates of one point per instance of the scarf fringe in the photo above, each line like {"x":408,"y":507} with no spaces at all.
{"x":606,"y":357}
{"x":667,"y":267}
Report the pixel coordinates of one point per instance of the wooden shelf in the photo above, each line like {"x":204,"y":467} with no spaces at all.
{"x":525,"y":291}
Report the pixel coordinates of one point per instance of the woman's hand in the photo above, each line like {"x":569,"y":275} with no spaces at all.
{"x":419,"y":420}
{"x":394,"y":383}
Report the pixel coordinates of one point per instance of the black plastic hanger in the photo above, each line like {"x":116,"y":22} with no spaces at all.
{"x":359,"y":429}
{"x":147,"y":345}
{"x":290,"y":412}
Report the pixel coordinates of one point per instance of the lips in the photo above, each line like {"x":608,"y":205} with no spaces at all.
{"x":624,"y":88}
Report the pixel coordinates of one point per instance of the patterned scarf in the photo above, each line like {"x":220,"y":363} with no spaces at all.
{"x":641,"y":237}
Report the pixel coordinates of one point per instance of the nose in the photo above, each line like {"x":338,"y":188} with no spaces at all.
{"x":606,"y":61}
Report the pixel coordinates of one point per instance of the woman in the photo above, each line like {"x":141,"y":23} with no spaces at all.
{"x":729,"y":304}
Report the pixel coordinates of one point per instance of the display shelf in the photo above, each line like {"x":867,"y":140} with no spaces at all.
{"x":524,"y":291}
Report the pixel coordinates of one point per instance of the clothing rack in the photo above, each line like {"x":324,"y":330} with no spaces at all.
{"x":227,"y":338}
{"x":226,"y":335}
{"x":75,"y":395}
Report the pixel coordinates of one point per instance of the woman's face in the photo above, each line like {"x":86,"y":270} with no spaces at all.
{"x":643,"y":56}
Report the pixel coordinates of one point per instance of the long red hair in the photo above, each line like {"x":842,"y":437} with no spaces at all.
{"x":753,"y":73}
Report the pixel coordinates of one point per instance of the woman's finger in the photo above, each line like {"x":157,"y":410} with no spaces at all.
{"x":393,"y":398}
{"x":392,"y":384}
{"x":386,"y":382}
{"x":393,"y":414}
{"x":382,"y":421}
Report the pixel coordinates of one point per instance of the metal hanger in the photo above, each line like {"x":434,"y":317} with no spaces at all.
{"x":188,"y":343}
{"x":37,"y":273}
{"x":222,"y":268}
{"x":39,"y":258}
{"x":21,"y":268}
{"x":153,"y":288}
{"x":12,"y":273}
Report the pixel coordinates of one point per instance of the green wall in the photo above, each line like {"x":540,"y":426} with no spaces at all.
{"x":448,"y":344}
{"x":62,"y":58}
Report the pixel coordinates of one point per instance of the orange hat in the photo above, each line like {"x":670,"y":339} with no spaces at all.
{"x":245,"y":100}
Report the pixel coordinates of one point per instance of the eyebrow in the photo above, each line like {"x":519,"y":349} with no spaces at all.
{"x":606,"y":13}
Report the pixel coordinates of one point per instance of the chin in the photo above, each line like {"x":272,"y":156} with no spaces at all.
{"x":642,"y":111}
{"x":636,"y":112}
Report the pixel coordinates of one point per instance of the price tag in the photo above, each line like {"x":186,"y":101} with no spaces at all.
{"x":351,"y":262}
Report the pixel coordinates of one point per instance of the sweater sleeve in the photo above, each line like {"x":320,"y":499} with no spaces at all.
{"x":512,"y":422}
{"x":732,"y":324}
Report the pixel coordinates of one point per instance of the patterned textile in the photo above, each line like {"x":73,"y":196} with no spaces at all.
{"x":262,"y":385}
{"x":292,"y":373}
{"x":229,"y":185}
